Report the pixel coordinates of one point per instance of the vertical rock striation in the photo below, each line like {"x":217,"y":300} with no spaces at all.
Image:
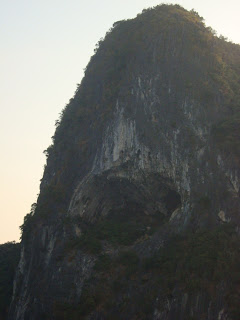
{"x":140,"y":195}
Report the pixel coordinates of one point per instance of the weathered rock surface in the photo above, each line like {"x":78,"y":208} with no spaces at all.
{"x":134,"y":163}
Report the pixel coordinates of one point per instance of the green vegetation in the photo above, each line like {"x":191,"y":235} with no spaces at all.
{"x":103,"y":263}
{"x":130,"y":260}
{"x":199,"y":262}
{"x":51,"y":199}
{"x":28,"y":223}
{"x":204,"y":203}
{"x":89,"y":242}
{"x":199,"y":65}
{"x":175,"y":45}
{"x":117,"y":229}
{"x":67,"y":311}
{"x":197,"y":259}
{"x":227,"y":135}
{"x":193,"y":262}
{"x":101,"y":291}
{"x":9,"y":258}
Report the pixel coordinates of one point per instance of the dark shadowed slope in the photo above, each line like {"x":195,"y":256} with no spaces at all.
{"x":138,"y":214}
{"x":9,"y":258}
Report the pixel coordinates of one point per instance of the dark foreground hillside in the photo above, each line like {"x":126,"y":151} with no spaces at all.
{"x":9,"y":258}
{"x":138,"y":215}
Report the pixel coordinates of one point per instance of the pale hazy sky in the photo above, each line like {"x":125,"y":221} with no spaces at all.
{"x":44,"y":47}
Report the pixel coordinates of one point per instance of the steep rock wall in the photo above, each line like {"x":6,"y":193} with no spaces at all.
{"x":134,"y":163}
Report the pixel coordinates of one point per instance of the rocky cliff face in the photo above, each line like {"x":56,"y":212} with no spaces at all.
{"x":138,"y":215}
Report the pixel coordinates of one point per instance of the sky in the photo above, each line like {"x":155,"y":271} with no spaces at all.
{"x":44,"y":47}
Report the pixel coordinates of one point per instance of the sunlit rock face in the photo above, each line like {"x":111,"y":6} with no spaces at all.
{"x":138,"y":196}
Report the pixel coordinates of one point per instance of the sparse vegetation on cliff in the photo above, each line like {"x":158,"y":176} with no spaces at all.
{"x":142,"y":181}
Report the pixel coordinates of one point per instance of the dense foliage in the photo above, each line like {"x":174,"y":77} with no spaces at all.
{"x":9,"y":258}
{"x":190,"y":56}
{"x":174,"y":45}
{"x":191,"y":262}
{"x":117,"y":229}
{"x":227,"y":135}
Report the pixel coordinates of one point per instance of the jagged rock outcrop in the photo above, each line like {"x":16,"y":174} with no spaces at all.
{"x":138,"y":214}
